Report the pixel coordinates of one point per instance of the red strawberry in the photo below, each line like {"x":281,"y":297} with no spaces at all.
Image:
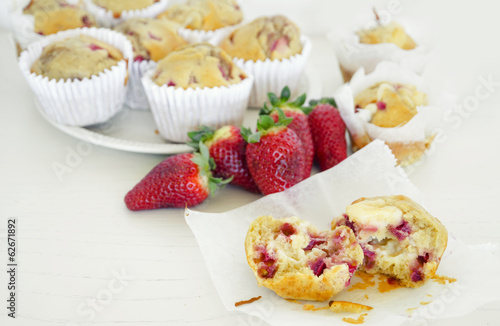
{"x":328,"y":132}
{"x":178,"y":181}
{"x":228,"y":149}
{"x":300,"y":124}
{"x":275,"y":156}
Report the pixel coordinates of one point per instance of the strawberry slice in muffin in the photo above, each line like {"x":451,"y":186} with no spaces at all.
{"x":297,"y":261}
{"x":399,"y":238}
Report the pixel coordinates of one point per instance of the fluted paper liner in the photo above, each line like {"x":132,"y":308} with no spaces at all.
{"x":80,"y":102}
{"x":369,"y":172}
{"x":213,"y":37}
{"x":353,"y":55}
{"x":105,"y":17}
{"x":421,"y":127}
{"x":273,"y":75}
{"x":177,"y":111}
{"x":136,"y":98}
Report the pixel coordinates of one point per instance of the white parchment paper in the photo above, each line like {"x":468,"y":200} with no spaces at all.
{"x":371,"y":171}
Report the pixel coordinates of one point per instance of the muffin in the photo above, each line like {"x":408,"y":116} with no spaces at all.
{"x":274,"y":37}
{"x":390,"y":105}
{"x":196,"y":85}
{"x":77,"y":58}
{"x":205,"y":15}
{"x":198,"y":65}
{"x":391,"y":33}
{"x":46,"y":17}
{"x":394,"y":105}
{"x":297,"y":261}
{"x":273,"y":51}
{"x":399,"y":237}
{"x":110,"y":13}
{"x":152,"y":39}
{"x":370,"y":42}
{"x":79,"y":76}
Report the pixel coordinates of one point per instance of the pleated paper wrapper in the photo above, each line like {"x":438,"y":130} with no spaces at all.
{"x":273,"y":75}
{"x":213,"y":37}
{"x":353,"y":55}
{"x":80,"y":102}
{"x":177,"y":111}
{"x":372,"y":171}
{"x":136,"y":98}
{"x":105,"y":18}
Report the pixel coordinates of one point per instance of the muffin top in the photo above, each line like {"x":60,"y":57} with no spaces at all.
{"x":204,"y":15}
{"x":152,"y":39}
{"x":76,"y":57}
{"x":390,"y":33}
{"x":117,"y":6}
{"x":274,"y":37}
{"x":197,"y":65}
{"x":52,"y":16}
{"x":390,"y":104}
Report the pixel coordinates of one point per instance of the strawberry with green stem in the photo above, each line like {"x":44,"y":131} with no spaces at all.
{"x":293,"y":109}
{"x":328,"y":133}
{"x":228,"y":149}
{"x":275,"y":156}
{"x":178,"y":181}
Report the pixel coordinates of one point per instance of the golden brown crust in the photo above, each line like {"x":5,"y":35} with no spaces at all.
{"x":274,"y":37}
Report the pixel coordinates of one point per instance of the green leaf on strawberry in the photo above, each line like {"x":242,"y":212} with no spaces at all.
{"x":203,"y":134}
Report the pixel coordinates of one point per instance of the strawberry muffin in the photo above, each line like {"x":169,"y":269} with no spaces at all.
{"x":45,"y":17}
{"x":399,"y":238}
{"x":110,"y":13}
{"x":119,"y":6}
{"x":198,"y":65}
{"x":297,"y":261}
{"x":58,"y":59}
{"x":79,"y":76}
{"x":274,"y":37}
{"x":206,"y":15}
{"x":391,"y":33}
{"x":273,"y":51}
{"x":152,"y":39}
{"x":196,"y":85}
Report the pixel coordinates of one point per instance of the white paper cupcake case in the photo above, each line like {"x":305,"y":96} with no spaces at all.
{"x":136,"y":98}
{"x":353,"y":55}
{"x":213,"y":37}
{"x":177,"y":111}
{"x":422,"y":126}
{"x":80,"y":102}
{"x":105,"y":18}
{"x":273,"y":75}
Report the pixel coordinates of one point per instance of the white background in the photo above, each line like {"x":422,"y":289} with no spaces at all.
{"x":74,"y":233}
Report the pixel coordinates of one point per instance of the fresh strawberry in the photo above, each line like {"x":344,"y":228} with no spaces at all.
{"x":328,"y":133}
{"x":300,"y":124}
{"x":178,"y":181}
{"x":228,"y":149}
{"x":275,"y":156}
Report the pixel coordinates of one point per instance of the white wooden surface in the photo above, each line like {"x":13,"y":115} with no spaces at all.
{"x":75,"y":235}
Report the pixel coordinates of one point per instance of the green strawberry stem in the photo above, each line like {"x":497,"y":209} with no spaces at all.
{"x":206,"y":165}
{"x":282,"y":101}
{"x":203,"y":134}
{"x":264,"y":124}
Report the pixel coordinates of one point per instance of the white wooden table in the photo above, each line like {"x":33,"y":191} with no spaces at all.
{"x":85,"y":259}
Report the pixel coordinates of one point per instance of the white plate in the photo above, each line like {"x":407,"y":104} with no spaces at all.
{"x":135,"y":130}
